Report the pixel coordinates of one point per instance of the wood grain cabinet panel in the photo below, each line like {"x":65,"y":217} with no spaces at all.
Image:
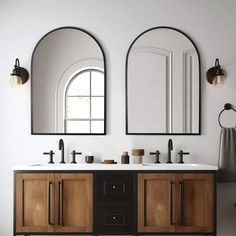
{"x":33,"y":201}
{"x":196,"y":203}
{"x":155,"y":199}
{"x":74,"y":202}
{"x":176,"y":203}
{"x":54,"y":203}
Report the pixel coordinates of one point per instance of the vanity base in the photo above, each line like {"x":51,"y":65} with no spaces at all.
{"x":114,"y":202}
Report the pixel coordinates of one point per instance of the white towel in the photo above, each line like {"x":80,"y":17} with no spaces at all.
{"x":227,"y":155}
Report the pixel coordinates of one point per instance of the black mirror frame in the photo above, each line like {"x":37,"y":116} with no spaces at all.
{"x":105,"y":84}
{"x":126,"y":84}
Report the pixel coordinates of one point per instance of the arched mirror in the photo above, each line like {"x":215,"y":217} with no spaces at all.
{"x":68,"y":87}
{"x":162,"y":83}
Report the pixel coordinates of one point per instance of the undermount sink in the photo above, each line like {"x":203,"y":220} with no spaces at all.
{"x":173,"y":165}
{"x":176,"y":166}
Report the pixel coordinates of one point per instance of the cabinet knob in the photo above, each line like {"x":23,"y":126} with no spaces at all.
{"x":113,"y":187}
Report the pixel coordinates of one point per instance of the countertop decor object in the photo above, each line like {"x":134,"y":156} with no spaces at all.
{"x":125,"y":158}
{"x":109,"y":162}
{"x":89,"y":159}
{"x":137,"y":155}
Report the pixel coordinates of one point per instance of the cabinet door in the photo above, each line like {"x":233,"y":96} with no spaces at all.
{"x":34,"y":202}
{"x":195,"y":198}
{"x":74,"y":202}
{"x":156,"y":199}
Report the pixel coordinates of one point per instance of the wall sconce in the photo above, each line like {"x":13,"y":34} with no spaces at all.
{"x":19,"y":75}
{"x":215,"y":75}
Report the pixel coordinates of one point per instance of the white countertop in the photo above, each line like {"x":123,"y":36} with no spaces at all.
{"x":104,"y":167}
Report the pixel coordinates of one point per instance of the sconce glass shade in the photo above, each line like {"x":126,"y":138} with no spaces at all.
{"x":218,"y":80}
{"x":215,"y":75}
{"x":19,"y":75}
{"x":15,"y":81}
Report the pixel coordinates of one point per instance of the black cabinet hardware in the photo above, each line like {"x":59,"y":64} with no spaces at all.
{"x":49,"y":203}
{"x":59,"y":203}
{"x":171,"y":203}
{"x":181,"y":186}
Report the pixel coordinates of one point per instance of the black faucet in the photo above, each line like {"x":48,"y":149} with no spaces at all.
{"x":170,"y":147}
{"x":61,"y":147}
{"x":157,"y":154}
{"x":181,"y":156}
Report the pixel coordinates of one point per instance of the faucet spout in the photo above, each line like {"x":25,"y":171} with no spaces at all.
{"x":170,"y":148}
{"x":61,"y":147}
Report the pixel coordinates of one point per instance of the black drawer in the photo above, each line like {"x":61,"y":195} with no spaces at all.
{"x":114,"y":188}
{"x":113,"y":219}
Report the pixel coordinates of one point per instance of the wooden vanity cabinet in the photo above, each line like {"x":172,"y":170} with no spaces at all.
{"x":176,"y":202}
{"x":115,"y":202}
{"x":54,"y":202}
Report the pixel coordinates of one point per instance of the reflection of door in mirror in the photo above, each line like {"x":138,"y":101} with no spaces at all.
{"x":68,"y":84}
{"x":162,"y":84}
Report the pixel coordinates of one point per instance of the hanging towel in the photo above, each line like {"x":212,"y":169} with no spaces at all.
{"x":227,"y":155}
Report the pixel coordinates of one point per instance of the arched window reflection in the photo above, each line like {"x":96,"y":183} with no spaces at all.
{"x":84,"y":103}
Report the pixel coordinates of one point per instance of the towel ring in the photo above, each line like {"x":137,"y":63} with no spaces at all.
{"x":227,"y":107}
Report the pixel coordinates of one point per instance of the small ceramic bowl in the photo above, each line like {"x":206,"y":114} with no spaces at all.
{"x":89,"y":159}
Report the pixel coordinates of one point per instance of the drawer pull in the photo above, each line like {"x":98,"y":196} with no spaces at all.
{"x":171,"y":203}
{"x":113,"y":187}
{"x":49,"y":203}
{"x":60,"y":204}
{"x":181,"y":185}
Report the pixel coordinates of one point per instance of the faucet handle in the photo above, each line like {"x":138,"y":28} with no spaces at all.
{"x":181,"y":155}
{"x":74,"y":153}
{"x":157,"y":153}
{"x":50,"y":153}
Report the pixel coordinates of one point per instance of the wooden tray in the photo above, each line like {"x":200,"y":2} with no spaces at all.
{"x":109,"y":162}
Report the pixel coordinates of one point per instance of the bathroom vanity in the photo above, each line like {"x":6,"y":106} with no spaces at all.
{"x":113,"y":199}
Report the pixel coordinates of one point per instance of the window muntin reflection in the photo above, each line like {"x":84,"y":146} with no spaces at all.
{"x":84,"y":103}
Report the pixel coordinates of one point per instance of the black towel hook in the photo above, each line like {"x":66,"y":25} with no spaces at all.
{"x":227,"y":107}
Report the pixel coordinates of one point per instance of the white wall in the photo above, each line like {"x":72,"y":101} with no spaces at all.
{"x":211,"y":24}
